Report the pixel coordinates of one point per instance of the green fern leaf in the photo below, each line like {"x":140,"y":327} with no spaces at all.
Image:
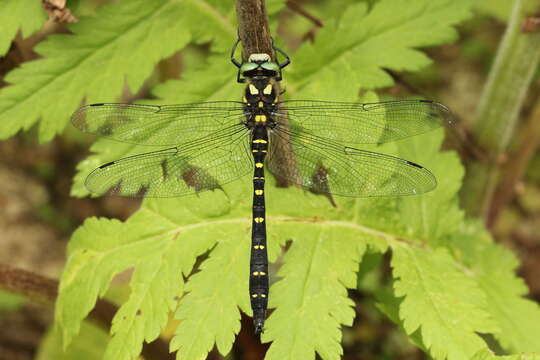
{"x":149,"y":242}
{"x":122,"y":43}
{"x":25,"y":15}
{"x":438,"y":212}
{"x":441,"y":301}
{"x":494,"y":269}
{"x":210,"y":313}
{"x":99,"y":250}
{"x":363,"y":43}
{"x":317,"y":271}
{"x":389,"y":304}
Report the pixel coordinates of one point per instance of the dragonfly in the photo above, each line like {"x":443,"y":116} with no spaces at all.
{"x":308,"y":143}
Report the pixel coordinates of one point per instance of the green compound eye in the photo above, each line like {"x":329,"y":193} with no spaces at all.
{"x":269,"y":65}
{"x":248,"y":66}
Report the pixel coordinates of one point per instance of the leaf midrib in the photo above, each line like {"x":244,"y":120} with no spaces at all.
{"x":314,"y":221}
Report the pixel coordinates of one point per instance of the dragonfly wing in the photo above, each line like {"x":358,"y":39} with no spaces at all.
{"x":200,"y":165}
{"x":157,"y":125}
{"x":365,"y":123}
{"x":322,"y":166}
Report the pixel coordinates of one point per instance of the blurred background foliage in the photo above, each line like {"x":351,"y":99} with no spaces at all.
{"x":38,"y":215}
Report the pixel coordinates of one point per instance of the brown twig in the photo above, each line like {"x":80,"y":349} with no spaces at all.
{"x":33,"y":286}
{"x":294,"y":6}
{"x":253,"y":28}
{"x":43,"y":290}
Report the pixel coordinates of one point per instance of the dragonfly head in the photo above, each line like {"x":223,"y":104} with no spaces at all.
{"x":259,"y":65}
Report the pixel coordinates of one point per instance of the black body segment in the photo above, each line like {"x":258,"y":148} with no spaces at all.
{"x":260,"y":99}
{"x":258,"y":268}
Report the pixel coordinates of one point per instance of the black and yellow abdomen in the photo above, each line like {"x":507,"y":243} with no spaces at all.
{"x":260,"y":99}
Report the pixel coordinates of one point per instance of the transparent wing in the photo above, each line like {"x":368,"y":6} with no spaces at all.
{"x":204,"y":164}
{"x":369,"y":123}
{"x":322,"y":166}
{"x":157,"y":125}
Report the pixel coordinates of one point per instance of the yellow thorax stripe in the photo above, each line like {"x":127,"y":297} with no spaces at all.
{"x":267,"y":90}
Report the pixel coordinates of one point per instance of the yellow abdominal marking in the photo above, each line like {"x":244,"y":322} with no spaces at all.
{"x":254,"y":295}
{"x":260,"y":118}
{"x":260,"y":141}
{"x":258,"y":220}
{"x":267,"y":90}
{"x":258,"y":192}
{"x":261,"y":104}
{"x":258,"y":178}
{"x":263,"y":295}
{"x":253,"y":90}
{"x":259,"y":165}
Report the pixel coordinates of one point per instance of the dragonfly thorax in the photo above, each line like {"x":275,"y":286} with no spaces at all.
{"x":260,"y":102}
{"x":260,"y":92}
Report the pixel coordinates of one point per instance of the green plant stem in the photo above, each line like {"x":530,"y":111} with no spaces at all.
{"x":516,"y":167}
{"x":497,"y":114}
